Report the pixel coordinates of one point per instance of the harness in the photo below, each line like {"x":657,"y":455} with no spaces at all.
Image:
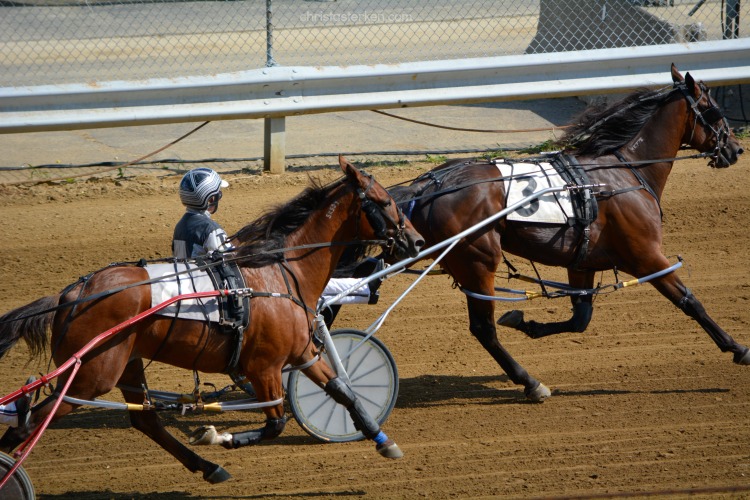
{"x":641,"y":180}
{"x":225,"y":275}
{"x":585,"y":207}
{"x":234,"y":309}
{"x":707,"y":117}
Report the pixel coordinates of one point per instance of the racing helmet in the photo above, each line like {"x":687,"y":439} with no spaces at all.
{"x":198,"y":186}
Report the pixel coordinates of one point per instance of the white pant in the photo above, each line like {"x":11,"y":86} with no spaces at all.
{"x":337,"y":285}
{"x":9,"y":415}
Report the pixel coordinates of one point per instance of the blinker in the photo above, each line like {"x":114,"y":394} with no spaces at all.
{"x":712,"y":114}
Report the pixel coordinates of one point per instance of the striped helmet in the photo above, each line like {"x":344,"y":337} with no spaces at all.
{"x":198,"y":186}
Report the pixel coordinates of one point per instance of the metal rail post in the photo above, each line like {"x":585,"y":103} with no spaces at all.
{"x":274,"y":129}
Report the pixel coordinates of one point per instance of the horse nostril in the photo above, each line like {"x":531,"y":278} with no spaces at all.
{"x":740,"y":151}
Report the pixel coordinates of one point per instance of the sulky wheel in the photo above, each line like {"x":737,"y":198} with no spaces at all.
{"x":374,"y":379}
{"x":19,"y":485}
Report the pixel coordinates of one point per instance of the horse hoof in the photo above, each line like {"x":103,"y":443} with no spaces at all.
{"x":538,"y":394}
{"x":511,"y":319}
{"x":219,"y":475}
{"x":743,"y":359}
{"x":389,"y":449}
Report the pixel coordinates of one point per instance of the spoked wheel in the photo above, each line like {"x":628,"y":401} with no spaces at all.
{"x":374,"y":379}
{"x":19,"y":486}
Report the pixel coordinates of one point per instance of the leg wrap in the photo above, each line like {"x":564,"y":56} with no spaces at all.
{"x":690,"y":306}
{"x":693,"y":308}
{"x":274,"y":427}
{"x":582,"y":312}
{"x":342,"y":394}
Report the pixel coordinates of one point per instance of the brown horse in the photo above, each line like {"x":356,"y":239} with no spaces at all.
{"x":287,"y":251}
{"x":628,"y":147}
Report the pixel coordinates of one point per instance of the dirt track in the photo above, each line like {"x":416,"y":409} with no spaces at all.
{"x":642,"y":402}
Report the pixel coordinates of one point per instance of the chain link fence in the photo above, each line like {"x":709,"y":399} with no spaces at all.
{"x":74,"y":41}
{"x":52,"y":42}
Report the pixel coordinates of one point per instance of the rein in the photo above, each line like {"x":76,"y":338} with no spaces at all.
{"x":375,"y":217}
{"x":113,"y":291}
{"x":503,"y":178}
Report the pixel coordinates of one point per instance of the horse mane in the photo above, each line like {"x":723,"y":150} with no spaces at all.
{"x":257,"y":243}
{"x":405,"y":193}
{"x":601,"y":129}
{"x":401,"y":194}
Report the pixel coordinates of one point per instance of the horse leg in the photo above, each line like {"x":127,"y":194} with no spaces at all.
{"x":481,"y":325}
{"x":148,"y":422}
{"x":583,"y":309}
{"x":672,"y":287}
{"x":14,"y":436}
{"x":268,"y":387}
{"x":88,"y":384}
{"x":322,"y":374}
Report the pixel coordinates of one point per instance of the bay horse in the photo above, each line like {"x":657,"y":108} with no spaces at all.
{"x":630,"y":147}
{"x":287,"y":251}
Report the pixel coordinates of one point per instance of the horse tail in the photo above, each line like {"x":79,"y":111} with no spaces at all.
{"x":30,"y":322}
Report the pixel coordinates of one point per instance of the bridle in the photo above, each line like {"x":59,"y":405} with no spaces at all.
{"x":379,"y":219}
{"x":708,"y":117}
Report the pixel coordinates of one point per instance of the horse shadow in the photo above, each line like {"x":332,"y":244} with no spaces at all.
{"x":426,"y":391}
{"x":423,"y":391}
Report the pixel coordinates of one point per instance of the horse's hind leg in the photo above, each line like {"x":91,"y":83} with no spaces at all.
{"x":268,"y":387}
{"x":672,"y":287}
{"x":14,"y":436}
{"x":583,"y":309}
{"x":148,"y":422}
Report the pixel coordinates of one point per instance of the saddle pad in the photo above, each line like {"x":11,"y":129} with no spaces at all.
{"x":524,"y":179}
{"x":194,"y":281}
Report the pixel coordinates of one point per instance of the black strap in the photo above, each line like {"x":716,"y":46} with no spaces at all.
{"x":642,"y":181}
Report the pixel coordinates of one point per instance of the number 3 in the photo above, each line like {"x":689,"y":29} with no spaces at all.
{"x":531,"y":208}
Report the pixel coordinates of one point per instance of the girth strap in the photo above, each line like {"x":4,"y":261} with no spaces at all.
{"x":585,"y":207}
{"x":234,"y":309}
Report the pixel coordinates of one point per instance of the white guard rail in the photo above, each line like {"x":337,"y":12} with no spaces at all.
{"x":275,"y":92}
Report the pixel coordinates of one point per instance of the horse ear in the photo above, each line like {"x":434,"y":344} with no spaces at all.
{"x":347,"y":167}
{"x":690,"y":83}
{"x":676,"y":76}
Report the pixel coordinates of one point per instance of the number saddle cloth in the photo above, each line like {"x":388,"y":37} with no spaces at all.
{"x":576,"y":207}
{"x":201,"y":275}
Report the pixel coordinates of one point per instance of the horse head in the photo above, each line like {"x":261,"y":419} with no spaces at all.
{"x":381,"y":217}
{"x":707,"y":130}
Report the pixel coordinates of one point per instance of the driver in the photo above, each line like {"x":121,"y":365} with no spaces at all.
{"x":197,"y":234}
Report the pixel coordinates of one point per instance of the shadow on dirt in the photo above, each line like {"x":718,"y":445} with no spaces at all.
{"x":423,"y":391}
{"x":432,"y":390}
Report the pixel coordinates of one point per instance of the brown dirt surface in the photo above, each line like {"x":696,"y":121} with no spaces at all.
{"x":643,"y":402}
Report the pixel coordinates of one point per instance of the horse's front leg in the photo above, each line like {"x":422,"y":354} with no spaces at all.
{"x":148,"y":422}
{"x":672,"y":287}
{"x":481,"y":325}
{"x":322,"y":374}
{"x":583,"y":309}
